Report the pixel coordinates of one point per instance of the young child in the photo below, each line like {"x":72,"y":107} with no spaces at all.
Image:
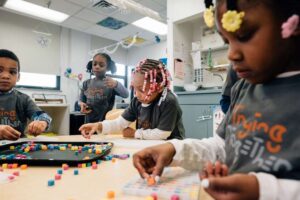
{"x":16,"y":107}
{"x":98,"y":94}
{"x":260,"y":132}
{"x":154,"y":107}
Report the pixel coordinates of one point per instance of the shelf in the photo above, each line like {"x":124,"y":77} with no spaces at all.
{"x":225,"y":47}
{"x":218,"y":68}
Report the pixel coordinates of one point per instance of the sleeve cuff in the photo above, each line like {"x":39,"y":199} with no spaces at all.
{"x":268,"y":187}
{"x":178,"y":145}
{"x":138,"y":134}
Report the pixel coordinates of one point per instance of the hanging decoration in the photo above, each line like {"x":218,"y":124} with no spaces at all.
{"x":68,"y":73}
{"x":110,"y":49}
{"x":43,"y":35}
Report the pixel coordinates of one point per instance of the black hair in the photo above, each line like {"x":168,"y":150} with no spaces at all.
{"x":89,"y":66}
{"x":111,"y":65}
{"x":4,"y":53}
{"x":208,"y":3}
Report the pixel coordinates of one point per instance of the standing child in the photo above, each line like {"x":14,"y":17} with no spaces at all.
{"x":16,"y":107}
{"x":260,"y":132}
{"x":154,"y":107}
{"x":98,"y":94}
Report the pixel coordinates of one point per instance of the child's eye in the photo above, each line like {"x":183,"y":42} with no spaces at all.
{"x":13,"y":72}
{"x":244,"y":37}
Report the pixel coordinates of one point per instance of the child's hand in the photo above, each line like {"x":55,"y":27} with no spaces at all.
{"x":128,"y":132}
{"x":87,"y":130}
{"x":110,"y":83}
{"x":216,"y":170}
{"x":37,"y":127}
{"x":9,"y":133}
{"x":152,"y":160}
{"x":234,"y":187}
{"x":84,"y":108}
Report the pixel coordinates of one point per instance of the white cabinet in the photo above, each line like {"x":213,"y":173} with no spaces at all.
{"x":186,"y":29}
{"x":60,"y":117}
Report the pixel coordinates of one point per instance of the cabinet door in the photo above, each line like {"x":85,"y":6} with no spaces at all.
{"x":197,"y":120}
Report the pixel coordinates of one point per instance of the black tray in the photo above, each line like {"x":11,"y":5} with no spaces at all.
{"x":54,"y":157}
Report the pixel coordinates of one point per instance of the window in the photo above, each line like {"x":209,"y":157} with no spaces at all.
{"x":39,"y":81}
{"x":121,"y":74}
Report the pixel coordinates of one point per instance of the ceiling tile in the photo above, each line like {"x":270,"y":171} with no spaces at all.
{"x":84,"y":3}
{"x":114,"y":35}
{"x":152,"y":5}
{"x":98,"y":30}
{"x":129,"y":30}
{"x":128,"y":17}
{"x":161,"y":2}
{"x":89,"y":15}
{"x":76,"y":23}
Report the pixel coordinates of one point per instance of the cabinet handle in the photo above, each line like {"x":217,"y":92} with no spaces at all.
{"x":203,"y":117}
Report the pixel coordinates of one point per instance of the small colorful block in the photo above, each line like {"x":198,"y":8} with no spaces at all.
{"x":51,"y":182}
{"x":57,"y":177}
{"x":175,"y":197}
{"x":65,"y":166}
{"x":94,"y":167}
{"x":11,"y":147}
{"x":23,"y":167}
{"x":149,"y":198}
{"x":110,"y":194}
{"x":15,"y":165}
{"x":76,"y":172}
{"x":151,"y":181}
{"x":16,"y":173}
{"x":154,"y":196}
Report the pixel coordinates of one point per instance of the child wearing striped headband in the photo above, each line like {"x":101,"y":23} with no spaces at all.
{"x":154,"y":107}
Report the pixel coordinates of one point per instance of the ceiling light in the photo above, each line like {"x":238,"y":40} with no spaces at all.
{"x":152,"y":25}
{"x":36,"y":10}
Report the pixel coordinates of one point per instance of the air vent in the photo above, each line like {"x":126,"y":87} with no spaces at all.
{"x":104,"y":4}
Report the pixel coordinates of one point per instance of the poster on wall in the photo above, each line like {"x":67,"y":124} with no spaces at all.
{"x":178,"y":69}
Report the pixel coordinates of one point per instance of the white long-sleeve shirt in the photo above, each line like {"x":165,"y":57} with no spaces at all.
{"x":192,"y":154}
{"x":120,"y":123}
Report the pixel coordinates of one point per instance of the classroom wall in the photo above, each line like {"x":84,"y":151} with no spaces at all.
{"x":68,"y":48}
{"x":155,"y":51}
{"x":16,"y":34}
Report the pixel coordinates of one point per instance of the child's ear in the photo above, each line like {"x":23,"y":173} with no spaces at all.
{"x":19,"y":75}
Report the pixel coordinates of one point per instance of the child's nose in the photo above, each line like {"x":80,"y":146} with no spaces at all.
{"x":5,"y":75}
{"x":234,"y":53}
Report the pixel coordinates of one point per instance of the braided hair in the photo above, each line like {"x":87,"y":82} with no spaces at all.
{"x":156,"y":73}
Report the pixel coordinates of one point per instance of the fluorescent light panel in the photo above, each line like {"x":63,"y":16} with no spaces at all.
{"x":152,"y":25}
{"x":36,"y":10}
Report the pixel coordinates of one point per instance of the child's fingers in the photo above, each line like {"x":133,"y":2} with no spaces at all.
{"x":224,"y":170}
{"x":11,"y":133}
{"x":203,"y":174}
{"x":159,"y":167}
{"x":209,"y":168}
{"x":138,"y":161}
{"x":217,"y":168}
